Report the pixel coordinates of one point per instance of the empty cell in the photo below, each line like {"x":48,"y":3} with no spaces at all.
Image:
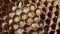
{"x":52,"y":2}
{"x":6,"y":27}
{"x":59,"y":24}
{"x":1,"y":29}
{"x":51,"y":32}
{"x":51,"y":8}
{"x":44,"y":9}
{"x":48,"y":21}
{"x":6,"y":1}
{"x":46,"y":28}
{"x":53,"y":26}
{"x":33,"y":1}
{"x":49,"y":14}
{"x":2,"y":15}
{"x":58,"y":31}
{"x":13,"y":0}
{"x":39,"y":29}
{"x":5,"y":8}
{"x":1,"y":3}
{"x":46,"y":3}
{"x":56,"y":13}
{"x":42,"y":16}
{"x":57,"y":6}
{"x":11,"y":31}
{"x":38,"y":4}
{"x":55,"y":19}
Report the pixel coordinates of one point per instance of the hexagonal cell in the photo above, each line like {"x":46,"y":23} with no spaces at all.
{"x":57,"y":7}
{"x":33,"y":32}
{"x":49,"y":14}
{"x":42,"y":16}
{"x":48,"y":20}
{"x":53,"y":26}
{"x":51,"y":32}
{"x":11,"y":31}
{"x":40,"y":30}
{"x":25,"y":33}
{"x":6,"y":1}
{"x":46,"y":28}
{"x":1,"y":3}
{"x":14,"y":1}
{"x":55,"y":19}
{"x":1,"y":29}
{"x":44,"y":9}
{"x":2,"y":14}
{"x":56,"y":13}
{"x":5,"y":8}
{"x":46,"y":3}
{"x":6,"y":27}
{"x":26,"y":2}
{"x":1,"y":21}
{"x":59,"y":24}
{"x":51,"y":8}
{"x":58,"y":31}
{"x":41,"y":23}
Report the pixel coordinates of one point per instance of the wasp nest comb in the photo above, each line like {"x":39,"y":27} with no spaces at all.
{"x":29,"y":17}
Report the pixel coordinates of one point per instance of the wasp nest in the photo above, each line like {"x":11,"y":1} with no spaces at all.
{"x":29,"y":17}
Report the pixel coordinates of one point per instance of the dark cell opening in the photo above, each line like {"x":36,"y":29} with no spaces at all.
{"x":6,"y":27}
{"x":45,"y":33}
{"x":46,"y":28}
{"x":14,"y":0}
{"x":48,"y":21}
{"x":1,"y":29}
{"x":58,"y":31}
{"x":44,"y":9}
{"x":51,"y":8}
{"x":2,"y":15}
{"x":31,"y":31}
{"x":59,"y":24}
{"x":56,"y":13}
{"x":57,"y":7}
{"x":52,"y":2}
{"x":1,"y":21}
{"x":51,"y":32}
{"x":55,"y":19}
{"x":6,"y":1}
{"x":53,"y":26}
{"x":11,"y":31}
{"x":26,"y":2}
{"x":39,"y":0}
{"x":46,"y":3}
{"x":42,"y":16}
{"x":38,"y":4}
{"x":41,"y":22}
{"x":1,"y":2}
{"x":49,"y":14}
{"x":33,"y":1}
{"x":5,"y":8}
{"x":40,"y":29}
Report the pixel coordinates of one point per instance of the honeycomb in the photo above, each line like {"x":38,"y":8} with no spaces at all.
{"x":29,"y":16}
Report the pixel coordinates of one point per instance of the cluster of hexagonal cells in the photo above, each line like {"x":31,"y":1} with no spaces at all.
{"x":29,"y":17}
